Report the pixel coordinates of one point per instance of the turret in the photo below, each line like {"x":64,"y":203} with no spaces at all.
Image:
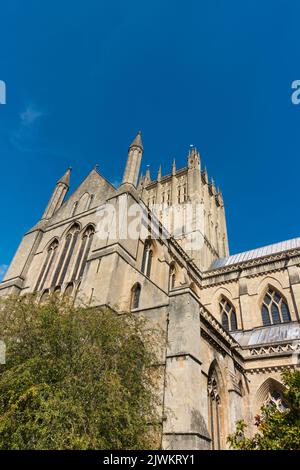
{"x":141,"y":182}
{"x":194,"y":159}
{"x":133,"y":163}
{"x":58,"y":195}
{"x":159,"y":174}
{"x":147,"y":179}
{"x":174,"y":184}
{"x":194,"y":175}
{"x":174,"y":167}
{"x":158,"y":187}
{"x":213,"y":187}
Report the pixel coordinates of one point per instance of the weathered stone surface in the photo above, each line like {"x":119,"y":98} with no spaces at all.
{"x":209,"y":377}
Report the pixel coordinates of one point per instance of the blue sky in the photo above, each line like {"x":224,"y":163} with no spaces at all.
{"x":83,"y":77}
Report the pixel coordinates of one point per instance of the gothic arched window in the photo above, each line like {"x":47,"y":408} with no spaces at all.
{"x":45,"y":296}
{"x":275,"y":398}
{"x":228,"y":315}
{"x":66,"y":255}
{"x":172,"y":276}
{"x":135,"y":296}
{"x":274,"y":308}
{"x":233,"y":321}
{"x":225,"y":322}
{"x":179,"y":195}
{"x":271,"y":393}
{"x":69,"y":289}
{"x":149,"y":264}
{"x":51,"y":252}
{"x":214,"y":410}
{"x":147,"y":258}
{"x":84,"y":251}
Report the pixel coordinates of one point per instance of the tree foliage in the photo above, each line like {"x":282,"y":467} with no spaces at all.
{"x":277,"y":430}
{"x":76,"y":378}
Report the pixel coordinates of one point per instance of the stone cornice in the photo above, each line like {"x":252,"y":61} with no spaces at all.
{"x":285,"y":348}
{"x":268,"y":370}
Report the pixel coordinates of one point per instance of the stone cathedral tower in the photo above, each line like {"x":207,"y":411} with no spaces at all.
{"x":230,"y":323}
{"x":190,"y":185}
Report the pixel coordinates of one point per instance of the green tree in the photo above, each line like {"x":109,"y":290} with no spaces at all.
{"x":277,"y":430}
{"x":76,"y":378}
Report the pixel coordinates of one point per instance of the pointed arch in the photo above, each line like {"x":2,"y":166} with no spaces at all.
{"x":274,"y":308}
{"x":69,"y":290}
{"x":57,"y":290}
{"x":84,"y":250}
{"x":217,"y":294}
{"x":135,"y":296}
{"x":149,"y":263}
{"x":172,"y":275}
{"x":75,"y":225}
{"x":147,"y":259}
{"x":48,"y":263}
{"x":228,"y":314}
{"x":52,"y":243}
{"x":270,"y":391}
{"x":216,"y":406}
{"x":45,"y":296}
{"x":216,"y":369}
{"x":66,"y":255}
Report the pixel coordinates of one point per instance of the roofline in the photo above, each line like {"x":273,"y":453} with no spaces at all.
{"x":246,"y":260}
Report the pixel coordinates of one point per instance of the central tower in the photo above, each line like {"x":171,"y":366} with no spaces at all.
{"x":189,"y":189}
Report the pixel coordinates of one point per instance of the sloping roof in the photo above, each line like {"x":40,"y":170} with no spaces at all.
{"x":257,"y":253}
{"x":268,"y":334}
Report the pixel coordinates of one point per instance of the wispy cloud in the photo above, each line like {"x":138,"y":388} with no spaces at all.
{"x":24,"y":137}
{"x":30,"y":115}
{"x":3,"y":269}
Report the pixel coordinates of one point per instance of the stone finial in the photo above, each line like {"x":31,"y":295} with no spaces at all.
{"x":194,"y":158}
{"x":65,"y":179}
{"x":213,"y":186}
{"x":174,"y":167}
{"x":159,"y":173}
{"x":137,"y":141}
{"x":133,"y":163}
{"x":58,"y":195}
{"x":148,"y":176}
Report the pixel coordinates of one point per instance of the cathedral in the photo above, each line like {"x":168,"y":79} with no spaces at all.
{"x":230,"y":322}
